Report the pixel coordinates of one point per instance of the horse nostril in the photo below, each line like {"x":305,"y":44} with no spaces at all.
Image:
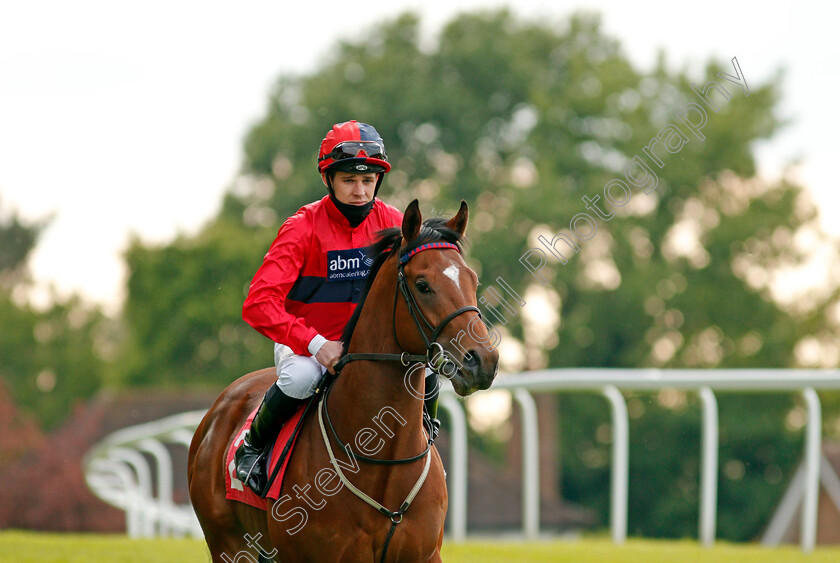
{"x":471,"y":360}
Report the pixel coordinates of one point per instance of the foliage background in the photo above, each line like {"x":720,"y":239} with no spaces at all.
{"x":521,"y":119}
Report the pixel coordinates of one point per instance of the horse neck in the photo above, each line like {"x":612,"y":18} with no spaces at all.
{"x":376,"y":395}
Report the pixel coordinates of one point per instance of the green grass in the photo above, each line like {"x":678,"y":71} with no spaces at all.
{"x":597,"y":550}
{"x":32,"y":547}
{"x":25,"y":547}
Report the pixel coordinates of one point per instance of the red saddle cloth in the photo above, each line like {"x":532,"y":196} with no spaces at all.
{"x":236,"y":489}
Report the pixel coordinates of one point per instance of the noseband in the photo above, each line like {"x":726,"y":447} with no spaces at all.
{"x":435,"y":357}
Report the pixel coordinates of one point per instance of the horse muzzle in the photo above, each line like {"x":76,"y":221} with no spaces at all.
{"x":475,"y":371}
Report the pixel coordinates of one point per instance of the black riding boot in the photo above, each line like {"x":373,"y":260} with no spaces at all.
{"x":275,"y":409}
{"x":430,"y":402}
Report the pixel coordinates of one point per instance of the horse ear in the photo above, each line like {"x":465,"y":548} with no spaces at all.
{"x":412,"y":221}
{"x":459,"y":221}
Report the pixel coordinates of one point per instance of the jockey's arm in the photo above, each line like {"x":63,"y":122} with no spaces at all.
{"x":264,"y":308}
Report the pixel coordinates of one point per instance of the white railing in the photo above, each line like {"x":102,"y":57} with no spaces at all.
{"x":120,"y":475}
{"x":705,"y":382}
{"x":118,"y":472}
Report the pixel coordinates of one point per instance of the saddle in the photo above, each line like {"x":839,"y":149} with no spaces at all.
{"x":276,"y":460}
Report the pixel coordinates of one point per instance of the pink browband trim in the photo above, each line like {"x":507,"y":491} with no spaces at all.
{"x":406,"y":257}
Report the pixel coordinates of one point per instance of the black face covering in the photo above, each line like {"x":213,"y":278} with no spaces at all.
{"x":355,"y":214}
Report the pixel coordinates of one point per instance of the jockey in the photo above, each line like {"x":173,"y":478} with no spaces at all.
{"x":310,"y":282}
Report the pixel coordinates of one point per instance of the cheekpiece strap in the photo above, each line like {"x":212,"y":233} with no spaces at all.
{"x":407,"y":256}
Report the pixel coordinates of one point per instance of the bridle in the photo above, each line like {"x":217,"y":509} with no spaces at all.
{"x":435,"y":358}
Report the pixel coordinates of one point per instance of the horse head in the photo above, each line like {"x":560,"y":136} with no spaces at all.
{"x":439,"y":310}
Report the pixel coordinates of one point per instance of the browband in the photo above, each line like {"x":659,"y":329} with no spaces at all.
{"x":407,"y":256}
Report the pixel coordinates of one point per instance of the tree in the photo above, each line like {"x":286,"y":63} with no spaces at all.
{"x":49,"y":355}
{"x":530,"y":122}
{"x":18,"y":432}
{"x":184,"y":307}
{"x":57,"y":497}
{"x":17,"y":240}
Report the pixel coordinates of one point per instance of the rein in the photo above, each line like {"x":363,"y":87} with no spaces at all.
{"x":396,"y":516}
{"x":351,"y":453}
{"x":435,"y":358}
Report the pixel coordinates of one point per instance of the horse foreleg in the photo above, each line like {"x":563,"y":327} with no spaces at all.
{"x":436,"y":555}
{"x":225,"y":550}
{"x":238,"y":550}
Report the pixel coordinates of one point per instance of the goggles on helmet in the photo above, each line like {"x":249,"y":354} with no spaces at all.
{"x":353,"y":149}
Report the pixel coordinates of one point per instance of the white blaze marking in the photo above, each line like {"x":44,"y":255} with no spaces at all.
{"x":452,"y":272}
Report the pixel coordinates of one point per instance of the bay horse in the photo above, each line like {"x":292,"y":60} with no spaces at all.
{"x":418,"y":308}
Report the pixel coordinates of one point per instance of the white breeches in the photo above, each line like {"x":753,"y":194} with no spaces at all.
{"x":297,"y":376}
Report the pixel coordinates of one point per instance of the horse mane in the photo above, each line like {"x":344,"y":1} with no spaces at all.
{"x":387,"y":244}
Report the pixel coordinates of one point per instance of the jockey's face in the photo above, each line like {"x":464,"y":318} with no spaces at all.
{"x":353,"y":189}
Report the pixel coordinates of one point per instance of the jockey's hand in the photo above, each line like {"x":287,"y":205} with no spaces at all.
{"x":329,"y":354}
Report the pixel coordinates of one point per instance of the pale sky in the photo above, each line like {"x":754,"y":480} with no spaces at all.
{"x":122,"y":118}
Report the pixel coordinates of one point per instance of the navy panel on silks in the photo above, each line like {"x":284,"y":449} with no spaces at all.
{"x":315,"y":289}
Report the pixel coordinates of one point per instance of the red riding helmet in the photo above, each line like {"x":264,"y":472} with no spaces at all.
{"x":353,"y":147}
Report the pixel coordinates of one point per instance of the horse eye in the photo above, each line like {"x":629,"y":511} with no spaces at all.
{"x":422,"y":286}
